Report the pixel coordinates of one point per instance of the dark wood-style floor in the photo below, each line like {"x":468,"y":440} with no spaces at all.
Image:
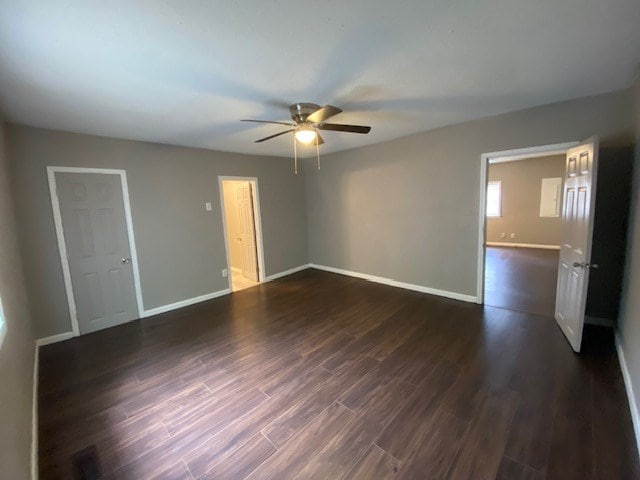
{"x":522,"y":279}
{"x":323,"y":376}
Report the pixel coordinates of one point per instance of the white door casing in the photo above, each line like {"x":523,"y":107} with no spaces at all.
{"x":255,"y":190}
{"x":577,"y":231}
{"x":95,"y":234}
{"x":246,"y":225}
{"x":500,"y":157}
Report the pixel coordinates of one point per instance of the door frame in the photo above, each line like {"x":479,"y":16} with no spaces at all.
{"x":499,"y":157}
{"x":257,"y":220}
{"x":62,"y":246}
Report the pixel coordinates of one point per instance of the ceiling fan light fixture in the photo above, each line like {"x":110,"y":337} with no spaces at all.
{"x":306,"y":135}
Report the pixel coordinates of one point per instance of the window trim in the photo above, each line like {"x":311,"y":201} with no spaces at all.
{"x":499,"y":183}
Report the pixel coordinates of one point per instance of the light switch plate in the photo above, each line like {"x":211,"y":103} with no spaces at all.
{"x":207,"y":206}
{"x":224,"y":272}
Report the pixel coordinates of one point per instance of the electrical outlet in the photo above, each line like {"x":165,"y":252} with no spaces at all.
{"x":503,"y":235}
{"x":207,"y":206}
{"x":513,"y":235}
{"x":225,"y":272}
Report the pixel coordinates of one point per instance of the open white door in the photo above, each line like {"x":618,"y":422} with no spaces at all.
{"x":577,"y":230}
{"x":246,"y":224}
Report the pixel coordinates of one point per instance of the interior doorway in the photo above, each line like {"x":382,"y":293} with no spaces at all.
{"x":521,"y":228}
{"x":243,"y":239}
{"x":94,"y":229}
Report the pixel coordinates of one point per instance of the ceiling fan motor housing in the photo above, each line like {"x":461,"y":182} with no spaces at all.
{"x":312,"y":117}
{"x":300,"y":111}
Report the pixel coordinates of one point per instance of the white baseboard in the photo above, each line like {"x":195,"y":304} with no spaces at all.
{"x":523,"y":245}
{"x":61,"y":337}
{"x":185,"y":303}
{"x":284,"y":273}
{"x":147,"y":313}
{"x":34,"y":413}
{"x":633,"y":405}
{"x":396,"y":283}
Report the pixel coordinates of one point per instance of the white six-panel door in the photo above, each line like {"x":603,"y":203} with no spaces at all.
{"x":97,"y":248}
{"x":577,"y":230}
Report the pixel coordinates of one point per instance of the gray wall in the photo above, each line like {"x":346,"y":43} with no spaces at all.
{"x":629,"y":321}
{"x":180,"y":246}
{"x":521,"y":185}
{"x":407,"y":209}
{"x":17,"y":351}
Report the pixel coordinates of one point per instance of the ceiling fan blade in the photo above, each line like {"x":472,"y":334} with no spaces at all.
{"x":323,"y":113}
{"x":274,"y":136}
{"x":337,"y":127}
{"x":289,"y":124}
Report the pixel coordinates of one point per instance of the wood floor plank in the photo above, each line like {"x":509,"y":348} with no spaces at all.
{"x":575,"y":392}
{"x":536,"y":381}
{"x":54,"y":437}
{"x":417,"y":358}
{"x":530,"y":435}
{"x":129,"y":440}
{"x":375,"y":463}
{"x":533,"y":292}
{"x":287,"y":376}
{"x":189,"y":436}
{"x":292,"y":420}
{"x":326,"y":341}
{"x":149,"y":471}
{"x":258,"y":370}
{"x":567,"y":459}
{"x":364,"y":389}
{"x":432,"y":458}
{"x":408,"y":427}
{"x":227,"y":441}
{"x":341,"y":453}
{"x":610,"y":426}
{"x":484,"y":441}
{"x":218,"y":411}
{"x":348,"y":378}
{"x":289,"y":460}
{"x":371,"y":342}
{"x":400,"y":327}
{"x":243,"y":461}
{"x":512,"y":470}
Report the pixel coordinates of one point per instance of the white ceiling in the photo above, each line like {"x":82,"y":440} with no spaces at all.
{"x":186,"y":72}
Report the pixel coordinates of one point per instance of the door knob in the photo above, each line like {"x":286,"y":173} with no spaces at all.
{"x":126,"y":260}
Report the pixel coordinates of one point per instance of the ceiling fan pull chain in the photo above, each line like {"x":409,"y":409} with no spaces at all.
{"x":295,"y":155}
{"x":318,"y":152}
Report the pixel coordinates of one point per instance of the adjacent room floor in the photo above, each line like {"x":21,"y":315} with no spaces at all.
{"x":240,"y":282}
{"x":323,"y":376}
{"x":522,"y":279}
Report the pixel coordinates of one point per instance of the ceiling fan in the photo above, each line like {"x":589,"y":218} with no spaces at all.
{"x":308,"y":118}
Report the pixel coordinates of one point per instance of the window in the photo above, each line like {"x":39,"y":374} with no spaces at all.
{"x":494,"y":199}
{"x":3,"y":325}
